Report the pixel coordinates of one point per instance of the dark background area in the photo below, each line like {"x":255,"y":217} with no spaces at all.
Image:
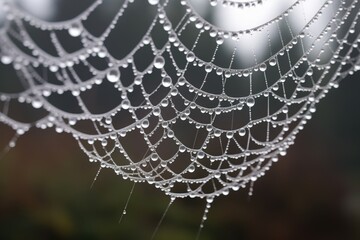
{"x":311,"y":193}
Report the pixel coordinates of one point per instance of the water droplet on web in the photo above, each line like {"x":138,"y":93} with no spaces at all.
{"x":159,"y":62}
{"x":250,"y":102}
{"x":220,"y":40}
{"x":208,"y":68}
{"x":125,"y":104}
{"x":6,"y":60}
{"x":153,"y":2}
{"x":272,"y":62}
{"x":36,"y":104}
{"x":263,"y":67}
{"x":145,"y":123}
{"x":113,"y":75}
{"x":75,"y":30}
{"x":166,"y":81}
{"x":190,"y":57}
{"x":213,"y":2}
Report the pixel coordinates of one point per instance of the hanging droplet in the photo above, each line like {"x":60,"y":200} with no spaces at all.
{"x":220,"y":40}
{"x":272,"y":62}
{"x":263,"y":67}
{"x":181,"y":81}
{"x":113,"y":75}
{"x":208,"y":68}
{"x":36,"y":104}
{"x":154,"y":157}
{"x":190,"y":57}
{"x":125,"y":104}
{"x":75,"y":30}
{"x":159,"y":62}
{"x":242,"y":132}
{"x":229,"y":135}
{"x":153,"y":2}
{"x":6,"y":60}
{"x":145,"y":123}
{"x":250,"y":102}
{"x":213,"y":2}
{"x":166,"y":81}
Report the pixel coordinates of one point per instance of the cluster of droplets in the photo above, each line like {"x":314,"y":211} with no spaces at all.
{"x":191,"y":125}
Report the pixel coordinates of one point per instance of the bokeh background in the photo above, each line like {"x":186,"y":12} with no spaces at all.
{"x":312,"y":193}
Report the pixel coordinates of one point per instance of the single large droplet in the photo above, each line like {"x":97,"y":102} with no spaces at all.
{"x":75,"y":30}
{"x":145,"y":123}
{"x":6,"y":60}
{"x":159,"y":62}
{"x":213,"y":2}
{"x":125,"y":104}
{"x":263,"y":67}
{"x":250,"y":102}
{"x":166,"y":81}
{"x":190,"y":57}
{"x":113,"y":75}
{"x":36,"y":104}
{"x":272,"y":62}
{"x":153,"y":2}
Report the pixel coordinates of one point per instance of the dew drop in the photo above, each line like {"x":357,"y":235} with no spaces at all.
{"x":263,"y":67}
{"x":125,"y":104}
{"x":36,"y":104}
{"x":75,"y":30}
{"x":6,"y":60}
{"x":159,"y":62}
{"x":220,"y":40}
{"x":213,"y":2}
{"x":113,"y":75}
{"x":208,"y":68}
{"x":145,"y":123}
{"x":272,"y":62}
{"x":250,"y":102}
{"x":153,"y":2}
{"x":166,"y":81}
{"x":190,"y":57}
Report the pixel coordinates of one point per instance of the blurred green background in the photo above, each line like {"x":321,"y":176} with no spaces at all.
{"x":311,"y":193}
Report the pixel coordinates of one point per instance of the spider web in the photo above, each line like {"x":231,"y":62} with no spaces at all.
{"x":161,"y":93}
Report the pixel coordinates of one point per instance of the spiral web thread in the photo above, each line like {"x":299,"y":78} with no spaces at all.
{"x":183,"y":110}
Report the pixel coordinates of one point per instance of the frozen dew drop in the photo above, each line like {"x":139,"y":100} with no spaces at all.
{"x":159,"y":62}
{"x":113,"y":75}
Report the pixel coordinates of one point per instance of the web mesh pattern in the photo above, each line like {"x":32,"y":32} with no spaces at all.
{"x":163,"y":95}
